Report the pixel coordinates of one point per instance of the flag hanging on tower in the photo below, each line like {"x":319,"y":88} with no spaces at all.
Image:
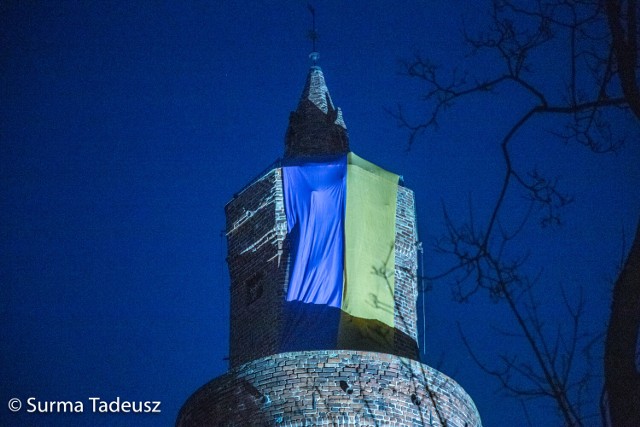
{"x":341,"y":227}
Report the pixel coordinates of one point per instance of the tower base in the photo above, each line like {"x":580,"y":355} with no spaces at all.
{"x":328,"y":388}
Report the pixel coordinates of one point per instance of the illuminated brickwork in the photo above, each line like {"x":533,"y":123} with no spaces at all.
{"x":331,"y":388}
{"x":258,"y":264}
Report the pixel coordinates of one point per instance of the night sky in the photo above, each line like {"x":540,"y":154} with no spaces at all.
{"x":126,"y":126}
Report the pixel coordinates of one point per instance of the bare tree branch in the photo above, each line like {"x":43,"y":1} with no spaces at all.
{"x":482,"y":261}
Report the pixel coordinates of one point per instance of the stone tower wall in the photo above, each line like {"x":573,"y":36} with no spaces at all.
{"x":329,"y":388}
{"x":406,"y":271}
{"x":258,"y":264}
{"x":257,"y":259}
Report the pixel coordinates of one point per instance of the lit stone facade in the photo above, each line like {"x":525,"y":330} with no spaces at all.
{"x":331,"y":388}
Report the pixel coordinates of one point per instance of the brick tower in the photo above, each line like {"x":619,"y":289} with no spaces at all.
{"x":323,"y":264}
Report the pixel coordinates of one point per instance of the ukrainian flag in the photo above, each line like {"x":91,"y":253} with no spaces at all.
{"x":341,"y":214}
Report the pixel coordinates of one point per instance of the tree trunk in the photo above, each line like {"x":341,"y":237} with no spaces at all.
{"x":622,"y":377}
{"x":621,"y":372}
{"x":624,"y":42}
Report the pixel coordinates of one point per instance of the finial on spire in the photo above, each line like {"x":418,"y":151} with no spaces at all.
{"x":313,"y":35}
{"x":314,"y":56}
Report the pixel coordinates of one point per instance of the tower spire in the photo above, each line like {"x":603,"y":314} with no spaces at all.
{"x":316,"y":127}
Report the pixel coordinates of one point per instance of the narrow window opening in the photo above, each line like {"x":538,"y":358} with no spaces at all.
{"x":255,"y":288}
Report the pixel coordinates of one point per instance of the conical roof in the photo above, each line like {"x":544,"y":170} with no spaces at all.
{"x":316,"y":127}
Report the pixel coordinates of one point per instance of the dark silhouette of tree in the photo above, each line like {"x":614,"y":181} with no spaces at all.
{"x":622,"y":375}
{"x":601,"y":85}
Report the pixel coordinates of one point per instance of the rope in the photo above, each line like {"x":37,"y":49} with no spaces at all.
{"x":422,"y":289}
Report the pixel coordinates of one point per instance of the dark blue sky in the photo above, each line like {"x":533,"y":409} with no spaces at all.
{"x":126,"y":126}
